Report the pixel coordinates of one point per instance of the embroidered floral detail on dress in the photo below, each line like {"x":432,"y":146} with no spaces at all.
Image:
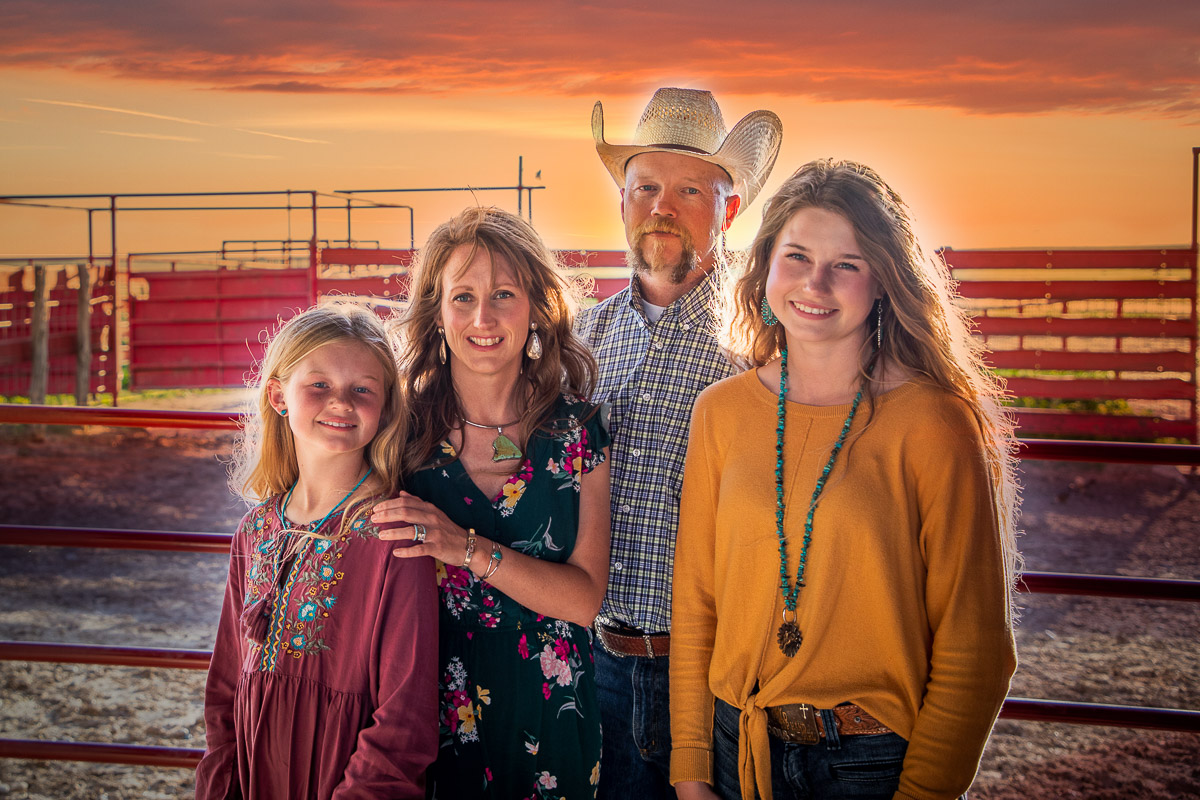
{"x":308,"y":592}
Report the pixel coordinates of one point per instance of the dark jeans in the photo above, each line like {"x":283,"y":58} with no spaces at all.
{"x":835,"y":768}
{"x":635,"y":714}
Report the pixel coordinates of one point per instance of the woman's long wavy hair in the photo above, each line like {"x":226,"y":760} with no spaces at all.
{"x":265,"y":462}
{"x":566,"y":365}
{"x":922,"y":329}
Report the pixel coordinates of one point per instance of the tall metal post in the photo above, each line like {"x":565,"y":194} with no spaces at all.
{"x":1196,"y":293}
{"x":520,"y":186}
{"x":39,"y":373}
{"x":312,"y":255}
{"x":83,"y":335}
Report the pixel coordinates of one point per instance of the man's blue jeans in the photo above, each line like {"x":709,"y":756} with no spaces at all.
{"x":635,"y":710}
{"x":864,"y":767}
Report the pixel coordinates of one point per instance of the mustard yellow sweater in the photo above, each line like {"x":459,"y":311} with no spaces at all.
{"x":905,"y":607}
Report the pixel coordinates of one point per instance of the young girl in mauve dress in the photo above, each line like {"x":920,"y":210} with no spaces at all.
{"x":323,"y":681}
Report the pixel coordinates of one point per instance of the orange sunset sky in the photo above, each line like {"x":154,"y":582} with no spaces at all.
{"x":1018,"y":124}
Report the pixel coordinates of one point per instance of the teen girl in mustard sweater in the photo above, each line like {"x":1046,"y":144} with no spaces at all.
{"x":841,"y":613}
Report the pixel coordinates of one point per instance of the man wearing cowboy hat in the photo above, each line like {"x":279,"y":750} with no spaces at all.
{"x":683,"y":181}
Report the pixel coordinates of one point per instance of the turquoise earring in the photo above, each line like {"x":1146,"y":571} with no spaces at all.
{"x":768,"y":316}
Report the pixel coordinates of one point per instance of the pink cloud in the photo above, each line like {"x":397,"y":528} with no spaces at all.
{"x":1017,"y":57}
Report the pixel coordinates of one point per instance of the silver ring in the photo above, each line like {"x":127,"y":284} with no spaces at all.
{"x":419,"y":534}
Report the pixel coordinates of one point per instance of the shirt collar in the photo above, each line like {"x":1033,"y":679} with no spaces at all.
{"x":695,"y":307}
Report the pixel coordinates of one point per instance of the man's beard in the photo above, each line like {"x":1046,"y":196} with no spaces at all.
{"x":676,"y":270}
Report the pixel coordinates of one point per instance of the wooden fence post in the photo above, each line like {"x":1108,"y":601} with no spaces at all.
{"x":83,"y":336}
{"x":40,"y":334}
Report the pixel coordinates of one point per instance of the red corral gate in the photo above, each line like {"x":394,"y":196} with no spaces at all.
{"x":193,"y":328}
{"x":59,"y":284}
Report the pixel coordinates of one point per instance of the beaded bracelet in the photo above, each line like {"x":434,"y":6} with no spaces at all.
{"x":470,"y":548}
{"x":494,"y":561}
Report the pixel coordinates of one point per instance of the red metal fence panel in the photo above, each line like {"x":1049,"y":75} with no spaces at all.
{"x":16,"y":337}
{"x":1110,"y":332}
{"x":1066,"y":326}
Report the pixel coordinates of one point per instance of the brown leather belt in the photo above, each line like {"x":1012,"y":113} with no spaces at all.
{"x":803,"y":724}
{"x":621,"y":641}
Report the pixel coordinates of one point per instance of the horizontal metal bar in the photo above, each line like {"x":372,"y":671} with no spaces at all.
{"x":1096,"y":389}
{"x":1014,"y":708}
{"x":1109,"y":586}
{"x":1142,"y":327}
{"x":22,"y":414}
{"x":440,"y":189}
{"x":1041,"y":449}
{"x":96,"y":752}
{"x":1163,"y":719}
{"x":1073,"y":258}
{"x":1110,"y":452}
{"x":104,"y":654}
{"x":152,"y":194}
{"x":1034,"y":422}
{"x":1057,"y":291}
{"x":177,"y":541}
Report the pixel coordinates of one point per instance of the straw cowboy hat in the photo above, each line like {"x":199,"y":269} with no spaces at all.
{"x":688,"y":121}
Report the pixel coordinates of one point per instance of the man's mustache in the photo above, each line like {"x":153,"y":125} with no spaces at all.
{"x":662,"y":226}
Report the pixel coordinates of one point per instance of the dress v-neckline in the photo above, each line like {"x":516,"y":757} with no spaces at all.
{"x":494,"y":502}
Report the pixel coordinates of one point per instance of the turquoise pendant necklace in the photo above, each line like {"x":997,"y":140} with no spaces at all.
{"x":789,"y":633}
{"x":503,"y":448}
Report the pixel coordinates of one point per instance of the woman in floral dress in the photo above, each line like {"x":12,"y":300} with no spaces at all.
{"x":508,"y":489}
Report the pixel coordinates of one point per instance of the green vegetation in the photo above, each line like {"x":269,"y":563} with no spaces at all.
{"x":126,"y":398}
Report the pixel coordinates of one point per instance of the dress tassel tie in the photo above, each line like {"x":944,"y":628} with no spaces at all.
{"x":256,"y":618}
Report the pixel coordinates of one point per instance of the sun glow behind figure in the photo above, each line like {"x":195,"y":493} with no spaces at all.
{"x":983,"y":117}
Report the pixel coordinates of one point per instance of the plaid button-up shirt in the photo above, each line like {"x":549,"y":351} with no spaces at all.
{"x":650,"y":375}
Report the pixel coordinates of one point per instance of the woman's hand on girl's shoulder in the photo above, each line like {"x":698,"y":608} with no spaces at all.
{"x":423,"y":526}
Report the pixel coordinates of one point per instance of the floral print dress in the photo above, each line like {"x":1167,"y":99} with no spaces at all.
{"x":518,"y":711}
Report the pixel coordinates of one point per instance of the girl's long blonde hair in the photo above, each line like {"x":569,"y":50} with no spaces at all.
{"x":922,"y":329}
{"x":265,"y":463}
{"x":566,"y":365}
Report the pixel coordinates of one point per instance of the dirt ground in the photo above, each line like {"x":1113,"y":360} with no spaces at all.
{"x":1120,"y":520}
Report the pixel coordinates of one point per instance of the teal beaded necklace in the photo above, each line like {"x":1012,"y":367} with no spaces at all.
{"x":789,"y":633}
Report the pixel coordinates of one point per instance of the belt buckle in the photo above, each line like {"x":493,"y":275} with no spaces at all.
{"x":799,"y":723}
{"x":599,"y":628}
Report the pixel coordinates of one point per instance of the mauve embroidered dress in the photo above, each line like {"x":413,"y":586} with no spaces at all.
{"x":341,"y":700}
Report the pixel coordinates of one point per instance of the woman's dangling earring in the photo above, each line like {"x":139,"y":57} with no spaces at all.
{"x":768,"y":315}
{"x":533,"y":348}
{"x":442,"y":347}
{"x":879,"y":326}
{"x":283,"y":412}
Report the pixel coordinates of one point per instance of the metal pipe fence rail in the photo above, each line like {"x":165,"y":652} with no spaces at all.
{"x":1036,"y":710}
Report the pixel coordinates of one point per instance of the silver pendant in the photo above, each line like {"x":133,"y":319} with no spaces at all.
{"x":789,"y":639}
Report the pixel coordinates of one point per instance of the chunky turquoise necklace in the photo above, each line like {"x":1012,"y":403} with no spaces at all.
{"x":789,"y":633}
